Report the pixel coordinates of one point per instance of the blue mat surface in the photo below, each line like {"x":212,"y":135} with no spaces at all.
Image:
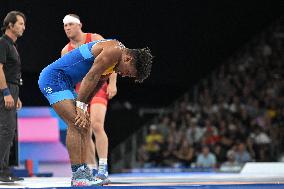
{"x":242,"y":186}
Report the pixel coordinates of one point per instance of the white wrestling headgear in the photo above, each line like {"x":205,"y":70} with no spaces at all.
{"x":70,"y":19}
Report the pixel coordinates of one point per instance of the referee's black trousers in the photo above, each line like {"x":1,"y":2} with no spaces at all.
{"x":8,"y":124}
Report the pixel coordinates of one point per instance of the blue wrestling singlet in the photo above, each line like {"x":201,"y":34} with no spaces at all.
{"x":58,"y":79}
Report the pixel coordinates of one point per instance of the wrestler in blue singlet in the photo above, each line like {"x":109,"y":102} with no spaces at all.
{"x":57,"y":80}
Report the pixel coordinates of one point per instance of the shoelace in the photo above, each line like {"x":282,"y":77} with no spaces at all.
{"x":88,"y":174}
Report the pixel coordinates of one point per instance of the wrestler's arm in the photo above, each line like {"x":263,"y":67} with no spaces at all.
{"x":105,"y":58}
{"x":111,"y":89}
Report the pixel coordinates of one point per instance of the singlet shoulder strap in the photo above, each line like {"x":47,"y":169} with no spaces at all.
{"x":69,"y":47}
{"x":88,"y":38}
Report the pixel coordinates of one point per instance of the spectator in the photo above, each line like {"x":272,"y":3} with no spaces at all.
{"x":154,"y":141}
{"x":163,"y":126}
{"x":206,"y":159}
{"x":241,"y":155}
{"x":231,"y":165}
{"x":185,"y":154}
{"x":168,"y":150}
{"x":194,"y":132}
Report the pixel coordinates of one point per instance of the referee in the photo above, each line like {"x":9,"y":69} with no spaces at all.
{"x":10,"y":79}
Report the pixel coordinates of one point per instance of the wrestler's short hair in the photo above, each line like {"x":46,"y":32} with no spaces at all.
{"x":143,"y":63}
{"x":11,"y":17}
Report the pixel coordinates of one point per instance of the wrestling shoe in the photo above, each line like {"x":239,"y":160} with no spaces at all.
{"x":103,"y":175}
{"x":83,"y":177}
{"x":10,"y":178}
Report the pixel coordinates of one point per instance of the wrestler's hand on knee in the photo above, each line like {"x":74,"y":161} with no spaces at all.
{"x":81,"y":119}
{"x":88,"y":118}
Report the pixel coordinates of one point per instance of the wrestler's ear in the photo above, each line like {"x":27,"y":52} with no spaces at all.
{"x":127,"y":58}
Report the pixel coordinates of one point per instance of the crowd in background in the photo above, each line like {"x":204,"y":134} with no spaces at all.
{"x":234,"y":116}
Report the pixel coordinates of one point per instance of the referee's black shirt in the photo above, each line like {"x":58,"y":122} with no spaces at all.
{"x":10,"y":59}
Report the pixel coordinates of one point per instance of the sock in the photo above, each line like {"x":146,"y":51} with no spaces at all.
{"x":75,"y":167}
{"x":102,"y":161}
{"x":103,"y":167}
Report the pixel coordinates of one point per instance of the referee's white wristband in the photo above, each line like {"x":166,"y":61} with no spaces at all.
{"x":82,"y":105}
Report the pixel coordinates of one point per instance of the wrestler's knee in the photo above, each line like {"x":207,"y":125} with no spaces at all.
{"x":97,"y":125}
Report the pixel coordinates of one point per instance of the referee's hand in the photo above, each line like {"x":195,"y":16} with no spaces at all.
{"x":9,"y":102}
{"x":19,"y":104}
